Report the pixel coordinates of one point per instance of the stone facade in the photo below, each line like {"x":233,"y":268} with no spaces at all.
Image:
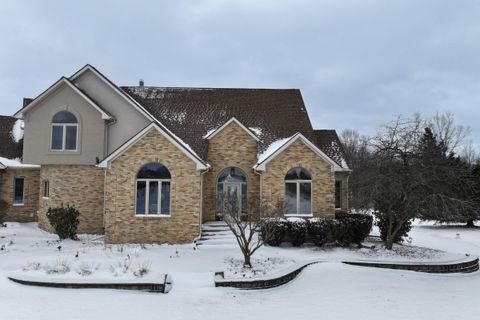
{"x":78,"y":185}
{"x":121,"y":223}
{"x":28,"y":211}
{"x":231,"y":147}
{"x":323,"y":179}
{"x":343,"y":177}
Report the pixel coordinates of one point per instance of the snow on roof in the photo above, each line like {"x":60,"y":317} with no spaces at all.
{"x":274,"y":146}
{"x":16,"y":163}
{"x":258,"y":131}
{"x":17,"y":131}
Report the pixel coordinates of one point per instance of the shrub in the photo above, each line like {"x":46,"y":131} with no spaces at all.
{"x":359,"y":225}
{"x":297,"y":231}
{"x":382,"y":224}
{"x":273,"y":231}
{"x":64,"y":220}
{"x":3,"y":211}
{"x":320,"y":231}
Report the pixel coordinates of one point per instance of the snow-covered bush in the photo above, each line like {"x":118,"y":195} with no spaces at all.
{"x":360,"y":225}
{"x":297,"y":231}
{"x":273,"y":231}
{"x":64,"y":220}
{"x":32,"y":266}
{"x":142,"y":269}
{"x":320,"y":231}
{"x":61,"y":266}
{"x":86,"y":269}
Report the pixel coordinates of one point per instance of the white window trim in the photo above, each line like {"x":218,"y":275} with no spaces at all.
{"x":23,"y":192}
{"x":147,"y":195}
{"x":64,"y":137}
{"x":43,"y":189}
{"x":298,"y":182}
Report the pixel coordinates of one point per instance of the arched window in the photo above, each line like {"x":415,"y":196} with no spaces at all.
{"x":64,"y":132}
{"x":298,"y":192}
{"x":153,"y":190}
{"x":232,"y":183}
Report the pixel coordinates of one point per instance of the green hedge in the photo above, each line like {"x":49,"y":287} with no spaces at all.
{"x":64,"y":221}
{"x":343,"y":230}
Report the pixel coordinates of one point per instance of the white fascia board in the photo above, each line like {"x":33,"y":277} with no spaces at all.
{"x":334,"y":166}
{"x":233,"y":119}
{"x":110,"y":84}
{"x":2,"y":166}
{"x":19,"y":114}
{"x":105,"y":163}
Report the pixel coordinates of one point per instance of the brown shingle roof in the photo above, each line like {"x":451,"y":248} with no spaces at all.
{"x":329,"y":142}
{"x":8,"y":147}
{"x":192,"y":112}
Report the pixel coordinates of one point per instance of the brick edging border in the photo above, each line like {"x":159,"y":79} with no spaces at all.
{"x":261,"y":283}
{"x":141,"y":286}
{"x":462,"y":266}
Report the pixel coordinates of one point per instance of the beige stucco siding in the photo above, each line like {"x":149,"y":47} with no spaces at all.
{"x":323,"y":179}
{"x":37,"y":134}
{"x":129,"y":121}
{"x":121,"y":223}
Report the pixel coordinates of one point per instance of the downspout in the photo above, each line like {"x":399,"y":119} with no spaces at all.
{"x":200,"y":218}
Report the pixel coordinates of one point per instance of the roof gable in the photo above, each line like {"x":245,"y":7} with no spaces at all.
{"x":114,"y":87}
{"x":200,"y":164}
{"x":214,"y":132}
{"x":282,"y":145}
{"x":62,"y":81}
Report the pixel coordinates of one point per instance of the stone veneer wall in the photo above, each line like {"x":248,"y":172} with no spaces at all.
{"x":231,"y":147}
{"x":343,"y":176}
{"x":121,"y":224}
{"x":28,"y":211}
{"x":79,"y":185}
{"x":323,"y":179}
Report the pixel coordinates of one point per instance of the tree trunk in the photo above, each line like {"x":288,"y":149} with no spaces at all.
{"x":247,"y":262}
{"x":470,"y":224}
{"x":389,"y":242}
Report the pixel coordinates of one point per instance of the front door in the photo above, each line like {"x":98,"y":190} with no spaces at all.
{"x":233,"y":192}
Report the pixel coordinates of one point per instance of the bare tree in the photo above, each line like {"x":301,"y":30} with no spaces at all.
{"x":450,"y":134}
{"x":246,"y":226}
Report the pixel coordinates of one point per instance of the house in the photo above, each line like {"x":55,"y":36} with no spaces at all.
{"x":149,"y":164}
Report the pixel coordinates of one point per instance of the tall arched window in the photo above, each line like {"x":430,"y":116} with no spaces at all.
{"x":298,"y":191}
{"x":232,"y":183}
{"x":64,"y":132}
{"x":153,"y":190}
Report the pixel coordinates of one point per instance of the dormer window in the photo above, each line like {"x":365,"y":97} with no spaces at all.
{"x":64,"y":132}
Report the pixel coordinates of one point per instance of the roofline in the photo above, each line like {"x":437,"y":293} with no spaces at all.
{"x":2,"y":166}
{"x":20,"y":113}
{"x":334,"y":166}
{"x":233,"y":119}
{"x":117,"y":89}
{"x":105,"y":163}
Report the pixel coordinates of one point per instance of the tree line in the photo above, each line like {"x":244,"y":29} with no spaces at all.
{"x":414,"y":168}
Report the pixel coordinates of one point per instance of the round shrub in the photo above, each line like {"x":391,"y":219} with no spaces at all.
{"x":297,"y":231}
{"x":358,"y":226}
{"x":320,"y":231}
{"x":273,"y":231}
{"x":64,"y":221}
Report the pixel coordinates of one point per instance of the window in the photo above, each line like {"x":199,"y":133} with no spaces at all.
{"x":46,"y":189}
{"x":18,"y":191}
{"x":153,"y":190}
{"x":232,"y":182}
{"x":64,"y":132}
{"x":298,"y":192}
{"x":338,"y":194}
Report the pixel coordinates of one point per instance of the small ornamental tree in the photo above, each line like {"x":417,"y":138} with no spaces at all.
{"x":247,"y":227}
{"x":64,"y":220}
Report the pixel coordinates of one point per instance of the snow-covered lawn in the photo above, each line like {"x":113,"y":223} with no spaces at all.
{"x":329,"y":290}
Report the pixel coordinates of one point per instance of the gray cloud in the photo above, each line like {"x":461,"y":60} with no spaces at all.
{"x":358,"y":63}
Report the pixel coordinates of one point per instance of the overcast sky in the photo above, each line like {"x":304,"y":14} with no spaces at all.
{"x":358,"y":63}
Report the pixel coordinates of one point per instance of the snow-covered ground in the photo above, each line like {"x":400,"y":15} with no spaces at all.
{"x":329,"y":290}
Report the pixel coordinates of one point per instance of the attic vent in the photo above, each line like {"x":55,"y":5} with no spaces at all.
{"x":141,"y":83}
